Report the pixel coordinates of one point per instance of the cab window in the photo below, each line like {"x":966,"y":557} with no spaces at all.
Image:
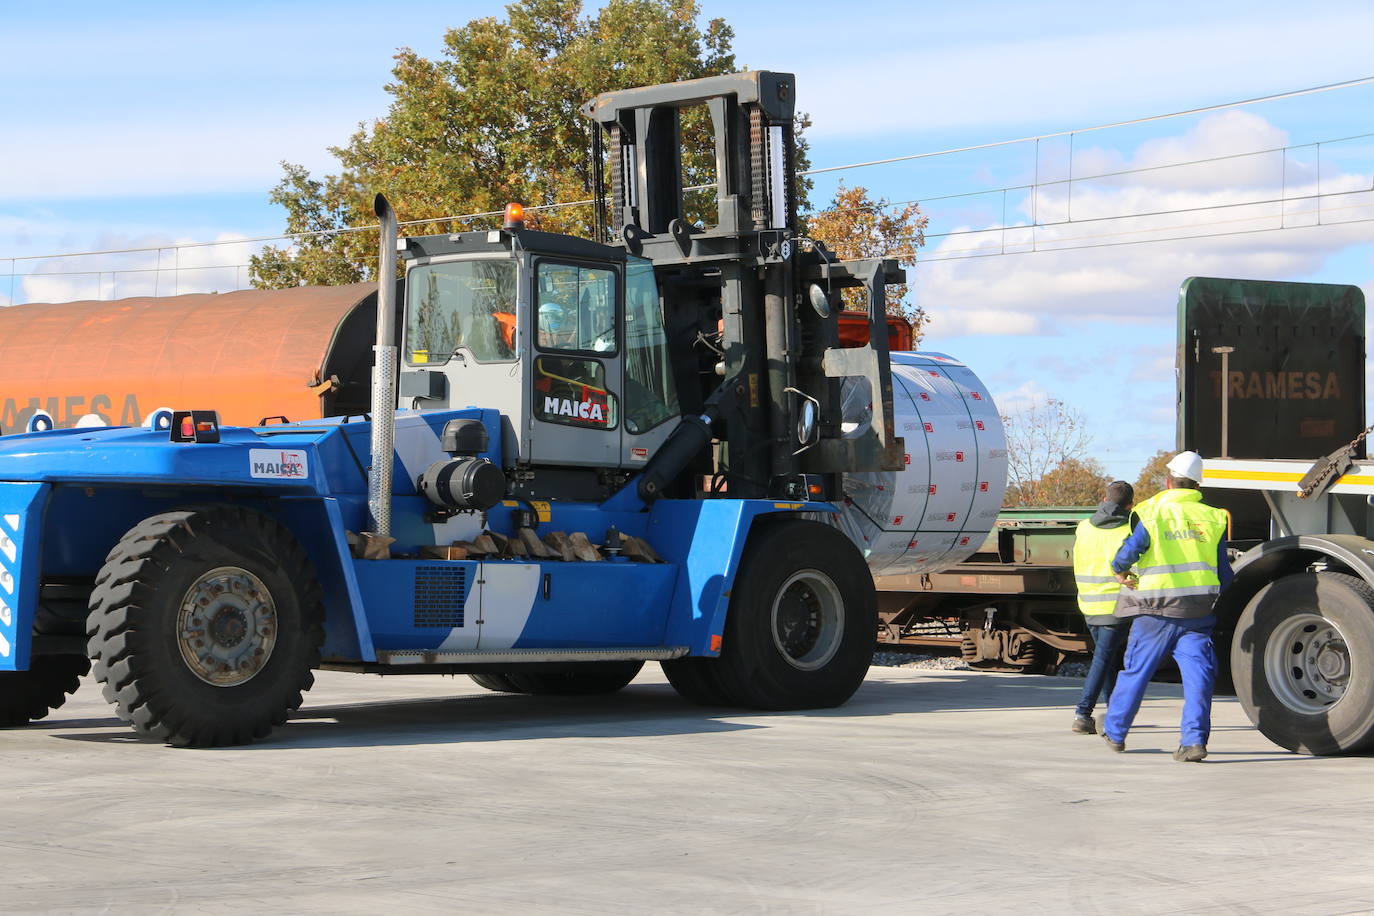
{"x":576,"y":308}
{"x":467,"y":304}
{"x":650,"y":395}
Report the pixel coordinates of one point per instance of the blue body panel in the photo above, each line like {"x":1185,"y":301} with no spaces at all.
{"x":21,"y":514}
{"x":75,"y":493}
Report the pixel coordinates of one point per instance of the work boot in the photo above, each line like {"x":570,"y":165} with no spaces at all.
{"x":1118,"y":746}
{"x":1084,"y":725}
{"x":1190,"y":753}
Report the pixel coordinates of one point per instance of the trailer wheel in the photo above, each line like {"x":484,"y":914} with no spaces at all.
{"x":29,"y":695}
{"x":584,"y":679}
{"x":205,"y":625}
{"x":803,"y":612}
{"x":1303,"y":662}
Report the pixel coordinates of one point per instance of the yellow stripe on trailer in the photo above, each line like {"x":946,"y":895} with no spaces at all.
{"x":1363,"y":481}
{"x":1282,"y":476}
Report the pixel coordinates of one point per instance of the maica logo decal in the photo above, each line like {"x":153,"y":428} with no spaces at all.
{"x":278,"y":464}
{"x":581,"y":410}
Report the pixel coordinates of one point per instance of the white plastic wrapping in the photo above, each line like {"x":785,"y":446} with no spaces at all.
{"x":940,"y":508}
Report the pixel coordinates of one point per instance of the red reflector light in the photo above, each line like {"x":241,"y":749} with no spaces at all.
{"x":193,"y":426}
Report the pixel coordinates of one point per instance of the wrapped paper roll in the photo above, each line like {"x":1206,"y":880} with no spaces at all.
{"x":941,"y":506}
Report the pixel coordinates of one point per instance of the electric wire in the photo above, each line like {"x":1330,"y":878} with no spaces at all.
{"x":909,"y":157}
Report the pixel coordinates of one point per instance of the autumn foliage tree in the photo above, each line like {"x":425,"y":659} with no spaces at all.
{"x":856,"y":226}
{"x":1073,"y":482}
{"x":494,"y":119}
{"x":1152,"y":476}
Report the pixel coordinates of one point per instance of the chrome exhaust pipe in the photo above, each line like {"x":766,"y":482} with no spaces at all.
{"x":384,"y":374}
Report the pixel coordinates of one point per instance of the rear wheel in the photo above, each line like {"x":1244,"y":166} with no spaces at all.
{"x":32,"y":694}
{"x":205,"y":625}
{"x":497,"y":682}
{"x":1303,"y":662}
{"x":799,"y":634}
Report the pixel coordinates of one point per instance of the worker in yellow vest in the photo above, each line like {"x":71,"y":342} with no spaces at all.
{"x":1095,"y":544}
{"x":1178,"y":547}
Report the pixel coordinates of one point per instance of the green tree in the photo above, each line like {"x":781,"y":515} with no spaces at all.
{"x":856,"y":226}
{"x":495,"y":119}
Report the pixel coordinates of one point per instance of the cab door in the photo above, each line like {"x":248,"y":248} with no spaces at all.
{"x":576,"y":378}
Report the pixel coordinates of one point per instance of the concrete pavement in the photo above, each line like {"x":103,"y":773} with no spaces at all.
{"x":931,"y":792}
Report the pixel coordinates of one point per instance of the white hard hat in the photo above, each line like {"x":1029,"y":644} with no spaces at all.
{"x":1186,"y":464}
{"x":550,"y":318}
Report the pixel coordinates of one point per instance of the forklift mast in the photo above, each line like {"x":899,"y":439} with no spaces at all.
{"x":749,"y":299}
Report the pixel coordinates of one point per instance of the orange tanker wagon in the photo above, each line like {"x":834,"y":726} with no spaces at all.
{"x":254,"y":354}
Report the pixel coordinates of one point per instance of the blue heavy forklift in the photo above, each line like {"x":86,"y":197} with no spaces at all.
{"x":580,"y":456}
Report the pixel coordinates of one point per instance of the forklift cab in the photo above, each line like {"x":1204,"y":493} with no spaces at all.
{"x":564,"y":336}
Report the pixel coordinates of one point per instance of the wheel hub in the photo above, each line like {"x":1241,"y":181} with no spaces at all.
{"x":808,"y":619}
{"x":1307,"y":663}
{"x":226,"y":626}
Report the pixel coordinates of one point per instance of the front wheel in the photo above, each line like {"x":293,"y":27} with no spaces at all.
{"x":205,"y":625}
{"x":799,"y":633}
{"x":1303,"y":662}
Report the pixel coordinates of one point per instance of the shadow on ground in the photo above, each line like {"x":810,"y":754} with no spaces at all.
{"x":642,"y":709}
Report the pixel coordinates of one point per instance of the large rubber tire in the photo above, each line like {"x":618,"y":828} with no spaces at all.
{"x":29,"y":695}
{"x":497,"y":682}
{"x":584,"y":679}
{"x":142,"y":635}
{"x":1303,"y":663}
{"x":697,"y":680}
{"x":801,"y":623}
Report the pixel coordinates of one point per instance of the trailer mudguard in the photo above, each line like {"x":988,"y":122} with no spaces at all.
{"x":21,"y":529}
{"x":707,"y":538}
{"x":1285,"y":556}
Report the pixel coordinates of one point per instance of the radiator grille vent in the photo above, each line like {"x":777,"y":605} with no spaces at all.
{"x":440,"y":592}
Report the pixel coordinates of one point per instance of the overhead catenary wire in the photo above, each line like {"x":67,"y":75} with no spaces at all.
{"x":1003,"y":228}
{"x":1328,"y":87}
{"x":1345,"y":84}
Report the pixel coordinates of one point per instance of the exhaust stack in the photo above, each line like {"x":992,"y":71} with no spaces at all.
{"x":384,"y":374}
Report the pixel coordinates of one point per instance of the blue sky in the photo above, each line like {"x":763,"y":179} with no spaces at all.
{"x":146,"y":124}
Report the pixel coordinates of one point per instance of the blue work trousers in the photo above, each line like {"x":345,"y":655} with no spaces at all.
{"x":1108,"y":643}
{"x":1152,"y":638}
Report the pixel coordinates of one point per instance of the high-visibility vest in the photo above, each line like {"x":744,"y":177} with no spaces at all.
{"x":1093,"y":550}
{"x":1181,"y":562}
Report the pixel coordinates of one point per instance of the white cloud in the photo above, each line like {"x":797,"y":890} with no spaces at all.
{"x":157,"y":267}
{"x":1023,"y":397}
{"x":1071,"y":77}
{"x":1089,"y":271}
{"x":233,"y":151}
